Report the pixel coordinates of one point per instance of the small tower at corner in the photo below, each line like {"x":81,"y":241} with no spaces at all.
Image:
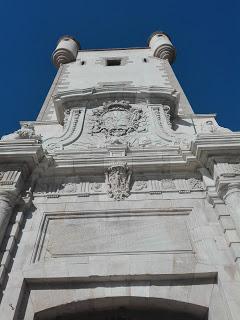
{"x":162,"y":46}
{"x":66,"y":51}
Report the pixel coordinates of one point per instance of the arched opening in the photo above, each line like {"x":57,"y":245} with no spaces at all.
{"x":125,"y":308}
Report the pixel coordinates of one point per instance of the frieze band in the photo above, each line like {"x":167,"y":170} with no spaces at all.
{"x":119,"y":183}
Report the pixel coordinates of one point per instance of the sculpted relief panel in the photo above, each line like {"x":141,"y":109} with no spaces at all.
{"x":226,"y":168}
{"x":116,"y":123}
{"x":139,"y":126}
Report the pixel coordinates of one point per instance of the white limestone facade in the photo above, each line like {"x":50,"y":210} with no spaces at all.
{"x":119,"y":202}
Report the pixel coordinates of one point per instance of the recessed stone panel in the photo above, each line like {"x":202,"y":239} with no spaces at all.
{"x":121,"y":234}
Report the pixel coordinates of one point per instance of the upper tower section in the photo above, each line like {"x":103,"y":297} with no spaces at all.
{"x":92,"y":77}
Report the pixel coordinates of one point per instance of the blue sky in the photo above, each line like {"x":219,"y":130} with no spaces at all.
{"x":206,"y":35}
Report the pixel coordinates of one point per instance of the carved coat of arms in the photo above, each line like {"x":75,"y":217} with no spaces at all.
{"x":117,"y":119}
{"x":118,"y":181}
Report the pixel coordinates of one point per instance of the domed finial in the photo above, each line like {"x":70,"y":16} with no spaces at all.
{"x":162,"y":47}
{"x":66,"y":51}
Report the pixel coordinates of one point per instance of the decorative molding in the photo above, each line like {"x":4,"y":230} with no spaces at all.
{"x":181,"y":185}
{"x":214,"y":146}
{"x":54,"y":187}
{"x":122,"y":181}
{"x":73,"y":124}
{"x":162,"y":127}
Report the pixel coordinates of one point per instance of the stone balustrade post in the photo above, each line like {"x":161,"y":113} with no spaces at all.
{"x":232,"y":200}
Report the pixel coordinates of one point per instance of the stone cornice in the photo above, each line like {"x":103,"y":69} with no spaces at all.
{"x":21,"y":152}
{"x":172,"y":158}
{"x":98,"y":95}
{"x":18,"y":160}
{"x":215,"y":145}
{"x":210,"y":150}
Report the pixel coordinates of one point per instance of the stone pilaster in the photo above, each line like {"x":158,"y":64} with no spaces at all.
{"x":7,"y":202}
{"x":232,"y":200}
{"x":18,"y":159}
{"x":11,"y":183}
{"x":223,"y":192}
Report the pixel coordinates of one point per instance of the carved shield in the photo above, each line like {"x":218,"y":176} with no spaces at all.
{"x":116,"y":120}
{"x":118,"y":181}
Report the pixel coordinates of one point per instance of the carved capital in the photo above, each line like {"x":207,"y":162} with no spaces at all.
{"x":12,"y":177}
{"x":226,"y":175}
{"x":224,"y":171}
{"x":231,"y":198}
{"x":216,"y":148}
{"x":230,"y":189}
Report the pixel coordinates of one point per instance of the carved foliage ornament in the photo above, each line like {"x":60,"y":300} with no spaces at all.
{"x":140,"y":185}
{"x":117,"y":119}
{"x":195,"y":184}
{"x":118,"y":181}
{"x":27,"y":131}
{"x":210,"y":127}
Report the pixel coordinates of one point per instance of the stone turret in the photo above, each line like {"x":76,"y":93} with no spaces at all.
{"x":66,"y":51}
{"x":162,"y":46}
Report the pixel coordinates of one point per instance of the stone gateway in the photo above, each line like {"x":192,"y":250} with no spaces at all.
{"x":119,"y":202}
